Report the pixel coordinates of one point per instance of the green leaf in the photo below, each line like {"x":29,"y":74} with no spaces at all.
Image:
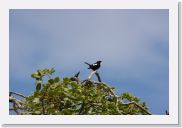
{"x":57,"y":79}
{"x":36,"y":100}
{"x":73,"y":84}
{"x":136,"y":99}
{"x":35,"y":75}
{"x":113,"y":88}
{"x":39,"y":81}
{"x":51,"y":81}
{"x":65,"y":97}
{"x":52,"y":71}
{"x":39,"y":72}
{"x":66,"y":80}
{"x":52,"y":93}
{"x":37,"y":112}
{"x":38,"y":87}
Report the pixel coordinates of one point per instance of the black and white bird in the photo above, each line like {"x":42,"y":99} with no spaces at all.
{"x":77,"y":74}
{"x":94,"y":66}
{"x":76,"y":77}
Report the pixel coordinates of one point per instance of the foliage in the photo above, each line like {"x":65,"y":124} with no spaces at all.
{"x":65,"y":96}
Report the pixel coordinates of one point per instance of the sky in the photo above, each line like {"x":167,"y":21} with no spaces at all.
{"x":132,"y":44}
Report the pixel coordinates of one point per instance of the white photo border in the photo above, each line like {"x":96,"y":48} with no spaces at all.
{"x":172,"y":5}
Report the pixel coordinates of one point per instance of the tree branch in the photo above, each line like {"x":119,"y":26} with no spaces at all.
{"x":18,"y":94}
{"x":17,"y":104}
{"x":98,"y":77}
{"x":91,"y":75}
{"x":118,"y":98}
{"x":109,"y":87}
{"x":82,"y":108}
{"x":133,"y":102}
{"x":42,"y":102}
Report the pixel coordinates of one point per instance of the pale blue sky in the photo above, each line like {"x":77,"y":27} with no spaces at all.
{"x":133,"y":45}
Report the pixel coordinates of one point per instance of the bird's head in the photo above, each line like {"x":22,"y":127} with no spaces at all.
{"x":99,"y":62}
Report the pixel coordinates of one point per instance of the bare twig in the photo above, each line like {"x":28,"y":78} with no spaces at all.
{"x":17,"y":104}
{"x":42,"y":102}
{"x":91,"y":75}
{"x":18,"y":94}
{"x":12,"y":109}
{"x":82,"y":108}
{"x":133,"y":102}
{"x":109,"y":87}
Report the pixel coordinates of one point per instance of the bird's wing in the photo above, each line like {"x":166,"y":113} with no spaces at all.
{"x":95,"y":64}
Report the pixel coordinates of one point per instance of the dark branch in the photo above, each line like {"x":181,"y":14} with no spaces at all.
{"x":18,"y":94}
{"x":17,"y":104}
{"x":82,"y":108}
{"x":167,"y":113}
{"x":98,"y":77}
{"x":133,"y":102}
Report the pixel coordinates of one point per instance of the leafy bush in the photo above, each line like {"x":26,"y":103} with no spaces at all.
{"x":70,"y":96}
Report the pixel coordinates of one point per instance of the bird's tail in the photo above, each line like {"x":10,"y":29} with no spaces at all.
{"x":88,"y":65}
{"x":76,"y":75}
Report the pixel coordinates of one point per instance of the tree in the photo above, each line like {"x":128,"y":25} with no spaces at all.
{"x":70,"y":96}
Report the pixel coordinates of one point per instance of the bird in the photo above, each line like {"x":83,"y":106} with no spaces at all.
{"x":76,"y":77}
{"x":94,"y":66}
{"x":77,"y":74}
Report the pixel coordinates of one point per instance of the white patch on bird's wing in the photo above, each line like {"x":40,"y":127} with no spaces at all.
{"x":94,"y":64}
